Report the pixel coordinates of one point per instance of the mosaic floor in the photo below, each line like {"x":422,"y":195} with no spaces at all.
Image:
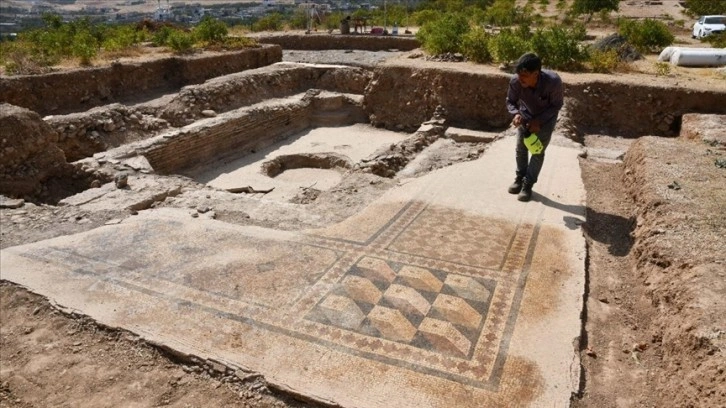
{"x":415,"y":302}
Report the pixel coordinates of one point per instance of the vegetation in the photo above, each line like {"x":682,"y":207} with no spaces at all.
{"x":716,"y":40}
{"x":591,"y":7}
{"x":444,"y":34}
{"x":646,"y":35}
{"x":604,"y":61}
{"x":706,"y":7}
{"x":484,"y":31}
{"x":474,"y":45}
{"x":34,"y":51}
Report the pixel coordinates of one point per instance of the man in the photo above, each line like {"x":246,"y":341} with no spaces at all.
{"x":535,"y":97}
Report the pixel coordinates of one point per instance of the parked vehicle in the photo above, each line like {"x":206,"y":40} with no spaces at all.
{"x":708,"y":25}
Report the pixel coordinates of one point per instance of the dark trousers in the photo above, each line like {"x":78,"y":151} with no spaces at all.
{"x":529,"y":167}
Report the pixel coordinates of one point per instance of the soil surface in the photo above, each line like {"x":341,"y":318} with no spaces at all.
{"x":653,"y":335}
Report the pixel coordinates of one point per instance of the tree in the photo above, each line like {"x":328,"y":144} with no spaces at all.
{"x":706,"y":7}
{"x":591,"y":7}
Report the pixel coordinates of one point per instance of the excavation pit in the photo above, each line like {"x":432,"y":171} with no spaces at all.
{"x":316,"y":158}
{"x":434,"y":284}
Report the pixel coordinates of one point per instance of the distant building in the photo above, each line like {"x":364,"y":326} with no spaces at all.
{"x":162,"y":13}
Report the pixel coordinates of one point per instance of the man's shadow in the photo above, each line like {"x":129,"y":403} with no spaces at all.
{"x":612,"y":230}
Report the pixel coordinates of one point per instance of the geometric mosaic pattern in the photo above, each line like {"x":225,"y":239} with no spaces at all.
{"x":421,"y":307}
{"x":449,"y":235}
{"x":433,"y":290}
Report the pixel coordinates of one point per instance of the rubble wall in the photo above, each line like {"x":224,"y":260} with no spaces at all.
{"x":235,"y":134}
{"x":341,"y":42}
{"x":631,"y":110}
{"x":82,"y":89}
{"x":246,"y":88}
{"x":28,"y":152}
{"x":402,"y":97}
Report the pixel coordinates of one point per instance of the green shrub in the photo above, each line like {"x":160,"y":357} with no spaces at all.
{"x":716,"y":40}
{"x":270,"y":22}
{"x":507,"y":46}
{"x":332,"y":20}
{"x":121,"y":37}
{"x":84,"y":47}
{"x":593,"y":6}
{"x":705,"y":7}
{"x":235,"y":43}
{"x":559,"y":48}
{"x":210,"y":30}
{"x":474,"y":45}
{"x":18,"y":59}
{"x":160,"y":38}
{"x":298,"y":20}
{"x":662,"y":68}
{"x":604,"y":61}
{"x":443,"y":35}
{"x":646,"y":35}
{"x":502,"y":13}
{"x":423,"y":17}
{"x":180,"y":42}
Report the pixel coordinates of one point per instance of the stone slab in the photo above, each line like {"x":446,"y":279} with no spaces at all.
{"x":453,"y":294}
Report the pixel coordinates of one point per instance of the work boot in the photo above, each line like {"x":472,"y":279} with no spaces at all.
{"x":526,"y":192}
{"x":516,"y":187}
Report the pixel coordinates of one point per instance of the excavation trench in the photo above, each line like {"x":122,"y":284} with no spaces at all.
{"x":338,"y":152}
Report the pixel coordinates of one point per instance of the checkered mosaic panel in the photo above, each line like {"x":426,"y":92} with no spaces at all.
{"x":425,"y":308}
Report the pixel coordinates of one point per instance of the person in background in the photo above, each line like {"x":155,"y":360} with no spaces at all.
{"x":535,"y":97}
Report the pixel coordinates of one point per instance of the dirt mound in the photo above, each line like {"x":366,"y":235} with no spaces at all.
{"x":29,"y":154}
{"x":678,"y":250}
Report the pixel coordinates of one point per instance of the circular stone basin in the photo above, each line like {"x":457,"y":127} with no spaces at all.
{"x":285,"y":164}
{"x":320,"y":179}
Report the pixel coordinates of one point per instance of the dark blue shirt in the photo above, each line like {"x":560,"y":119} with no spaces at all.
{"x":542,"y":102}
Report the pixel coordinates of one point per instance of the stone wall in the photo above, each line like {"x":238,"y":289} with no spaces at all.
{"x":28,"y":152}
{"x":214,"y":139}
{"x":238,"y":133}
{"x":402,"y":97}
{"x":246,"y":88}
{"x":630,"y":110}
{"x":341,"y":42}
{"x":82,"y":89}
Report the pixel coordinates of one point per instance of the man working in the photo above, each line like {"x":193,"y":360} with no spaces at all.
{"x":535,"y":97}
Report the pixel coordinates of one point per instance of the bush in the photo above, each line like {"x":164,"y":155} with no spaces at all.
{"x":716,"y":40}
{"x":84,"y":47}
{"x":161,"y":36}
{"x":559,"y":48}
{"x":270,"y":22}
{"x":121,"y":37}
{"x":705,"y":7}
{"x":210,"y":30}
{"x":332,"y":20}
{"x":18,"y":59}
{"x":646,"y":35}
{"x":474,"y":45}
{"x":180,"y":42}
{"x":423,"y":17}
{"x":662,"y":68}
{"x":604,"y":61}
{"x":443,"y":35}
{"x":501,"y":13}
{"x":298,"y":20}
{"x":507,"y":46}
